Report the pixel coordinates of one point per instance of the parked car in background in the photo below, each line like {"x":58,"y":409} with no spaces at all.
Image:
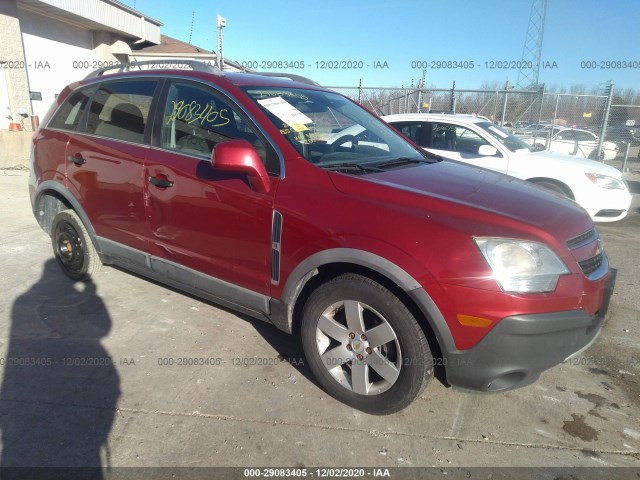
{"x":224,"y":185}
{"x":598,"y":188}
{"x":540,"y":137}
{"x":622,"y":135}
{"x":573,"y":141}
{"x":531,"y":128}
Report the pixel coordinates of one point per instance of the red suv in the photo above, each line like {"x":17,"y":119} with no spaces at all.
{"x":385,"y":259}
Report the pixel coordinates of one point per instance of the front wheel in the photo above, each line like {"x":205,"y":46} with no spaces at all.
{"x":72,"y":246}
{"x":594,"y":155}
{"x":538,"y":147}
{"x":364,"y":346}
{"x":552,"y":187}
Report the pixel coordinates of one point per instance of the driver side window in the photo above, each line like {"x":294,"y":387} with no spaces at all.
{"x":443,"y":137}
{"x":455,"y":138}
{"x":195,"y":119}
{"x":468,"y":141}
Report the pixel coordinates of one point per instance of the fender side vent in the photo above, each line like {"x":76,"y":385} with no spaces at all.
{"x":276,"y":244}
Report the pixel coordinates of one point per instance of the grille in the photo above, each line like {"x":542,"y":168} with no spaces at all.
{"x":592,"y":264}
{"x":582,"y":239}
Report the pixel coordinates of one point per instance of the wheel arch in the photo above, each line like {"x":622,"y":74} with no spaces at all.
{"x":561,"y":185}
{"x":52,"y":198}
{"x":323,"y":266}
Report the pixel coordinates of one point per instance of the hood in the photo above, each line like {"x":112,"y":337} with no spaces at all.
{"x":584,"y":164}
{"x":451,"y":182}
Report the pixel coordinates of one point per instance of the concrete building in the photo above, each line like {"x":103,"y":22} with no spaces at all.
{"x":47,"y":44}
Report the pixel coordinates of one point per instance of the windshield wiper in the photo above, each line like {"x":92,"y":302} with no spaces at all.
{"x":345,"y":166}
{"x":396,"y":162}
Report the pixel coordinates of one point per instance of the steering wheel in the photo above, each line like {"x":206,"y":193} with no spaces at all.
{"x":344,"y":139}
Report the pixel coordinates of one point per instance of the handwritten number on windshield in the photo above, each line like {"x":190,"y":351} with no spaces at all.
{"x":193,"y":112}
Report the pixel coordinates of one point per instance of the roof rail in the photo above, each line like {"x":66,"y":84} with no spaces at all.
{"x":196,"y":65}
{"x":290,"y":76}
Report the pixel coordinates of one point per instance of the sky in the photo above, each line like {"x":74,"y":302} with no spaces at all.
{"x":385,"y":43}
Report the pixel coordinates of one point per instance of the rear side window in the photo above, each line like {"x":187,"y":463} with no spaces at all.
{"x":585,"y":137}
{"x":120,"y":110}
{"x":566,"y":135}
{"x":69,"y":115}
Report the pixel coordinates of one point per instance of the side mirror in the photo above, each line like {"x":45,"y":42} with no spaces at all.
{"x":240,"y":156}
{"x":487,"y":151}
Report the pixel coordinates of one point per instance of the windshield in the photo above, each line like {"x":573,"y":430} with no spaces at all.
{"x":510,"y":141}
{"x":329,"y":130}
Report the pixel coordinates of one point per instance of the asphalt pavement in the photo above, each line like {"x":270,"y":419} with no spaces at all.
{"x":123,"y":372}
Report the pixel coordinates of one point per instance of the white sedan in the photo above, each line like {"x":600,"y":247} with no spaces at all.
{"x":598,"y":188}
{"x":573,"y":141}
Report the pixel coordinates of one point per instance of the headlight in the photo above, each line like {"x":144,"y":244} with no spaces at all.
{"x":521,"y":266}
{"x":605,"y":181}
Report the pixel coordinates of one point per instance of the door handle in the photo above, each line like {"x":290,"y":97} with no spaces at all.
{"x":77,"y":159}
{"x":160,"y":182}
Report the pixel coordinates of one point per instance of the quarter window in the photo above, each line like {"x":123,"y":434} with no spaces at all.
{"x":69,"y":115}
{"x":120,"y":110}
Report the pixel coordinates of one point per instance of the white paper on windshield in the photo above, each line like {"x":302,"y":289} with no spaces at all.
{"x":287,"y":113}
{"x":498,"y":132}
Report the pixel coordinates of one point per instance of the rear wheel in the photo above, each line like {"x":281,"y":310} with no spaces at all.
{"x":364,"y":346}
{"x":72,"y":246}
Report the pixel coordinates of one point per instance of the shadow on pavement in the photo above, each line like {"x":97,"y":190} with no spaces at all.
{"x":60,"y":386}
{"x":288,"y":346}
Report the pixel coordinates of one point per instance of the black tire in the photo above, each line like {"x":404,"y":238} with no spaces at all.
{"x":594,"y":155}
{"x":72,"y":247}
{"x":553,"y":187}
{"x":539,"y":147}
{"x":395,"y":347}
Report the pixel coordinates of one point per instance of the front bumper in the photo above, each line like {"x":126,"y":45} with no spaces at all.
{"x":517,"y":350}
{"x":604,"y":205}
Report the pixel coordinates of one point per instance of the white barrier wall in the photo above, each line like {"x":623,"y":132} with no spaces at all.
{"x":53,"y":52}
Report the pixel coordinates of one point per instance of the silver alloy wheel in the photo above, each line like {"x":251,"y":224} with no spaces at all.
{"x":358,"y":347}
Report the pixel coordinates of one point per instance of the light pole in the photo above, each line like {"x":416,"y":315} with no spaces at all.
{"x":222,"y":22}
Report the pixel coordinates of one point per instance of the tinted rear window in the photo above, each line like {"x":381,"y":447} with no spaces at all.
{"x":69,"y":115}
{"x":120,"y":109}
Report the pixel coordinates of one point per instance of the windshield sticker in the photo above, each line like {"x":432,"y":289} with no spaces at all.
{"x":498,"y":132}
{"x":279,"y":93}
{"x":287,"y":113}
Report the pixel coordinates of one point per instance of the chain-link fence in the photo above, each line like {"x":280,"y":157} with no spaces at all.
{"x":601,"y":129}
